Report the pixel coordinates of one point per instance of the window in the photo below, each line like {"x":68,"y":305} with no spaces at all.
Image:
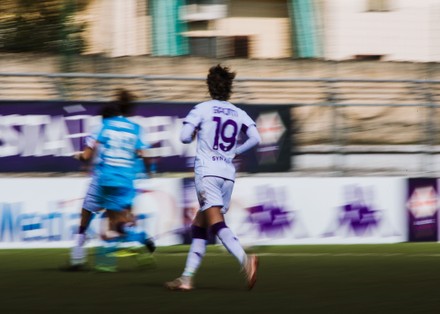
{"x":378,"y":6}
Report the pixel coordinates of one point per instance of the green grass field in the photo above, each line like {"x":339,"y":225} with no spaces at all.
{"x":391,"y":278}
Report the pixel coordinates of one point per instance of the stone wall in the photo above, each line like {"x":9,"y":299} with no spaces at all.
{"x":195,"y":66}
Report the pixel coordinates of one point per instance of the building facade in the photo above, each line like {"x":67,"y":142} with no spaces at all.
{"x":390,"y":30}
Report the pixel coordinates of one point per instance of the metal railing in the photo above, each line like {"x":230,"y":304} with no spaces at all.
{"x":86,"y":86}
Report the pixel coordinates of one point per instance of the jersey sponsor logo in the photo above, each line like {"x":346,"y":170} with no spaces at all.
{"x":119,"y":144}
{"x":120,"y":163}
{"x":221,"y":158}
{"x":121,"y":125}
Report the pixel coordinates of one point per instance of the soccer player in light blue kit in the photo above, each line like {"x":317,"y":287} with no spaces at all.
{"x":217,"y":124}
{"x":91,"y":204}
{"x":119,"y":147}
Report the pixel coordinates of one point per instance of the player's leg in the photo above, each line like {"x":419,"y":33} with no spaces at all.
{"x":130,"y":232}
{"x":134,"y":233}
{"x":249,"y":263}
{"x":119,"y":229}
{"x":105,"y":260}
{"x":196,"y":253}
{"x":90,"y":206}
{"x":122,"y":220}
{"x":215,"y":220}
{"x":214,"y":195}
{"x":217,"y":192}
{"x":77,"y":252}
{"x":199,"y":234}
{"x":226,"y":236}
{"x":114,"y":199}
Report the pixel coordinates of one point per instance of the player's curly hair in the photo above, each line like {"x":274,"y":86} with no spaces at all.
{"x":110,"y":110}
{"x":219,"y":82}
{"x":124,"y":100}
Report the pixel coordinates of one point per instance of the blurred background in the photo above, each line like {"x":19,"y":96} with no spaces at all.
{"x":360,"y":76}
{"x":345,"y":94}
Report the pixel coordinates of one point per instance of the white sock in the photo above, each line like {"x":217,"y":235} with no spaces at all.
{"x":78,"y":252}
{"x":231,"y":243}
{"x":79,"y":239}
{"x":77,"y":255}
{"x":195,"y":256}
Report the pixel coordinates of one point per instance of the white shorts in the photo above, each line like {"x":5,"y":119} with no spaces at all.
{"x":214,"y":191}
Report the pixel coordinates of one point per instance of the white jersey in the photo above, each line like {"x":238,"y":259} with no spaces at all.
{"x":219,"y":124}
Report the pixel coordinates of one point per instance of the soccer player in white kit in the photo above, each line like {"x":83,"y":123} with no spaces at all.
{"x":217,"y":124}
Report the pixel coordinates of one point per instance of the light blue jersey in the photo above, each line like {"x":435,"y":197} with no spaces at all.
{"x":119,"y":139}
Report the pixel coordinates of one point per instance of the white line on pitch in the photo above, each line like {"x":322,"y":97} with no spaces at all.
{"x":321,"y":254}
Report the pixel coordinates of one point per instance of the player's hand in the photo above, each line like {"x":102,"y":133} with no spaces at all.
{"x":79,"y":156}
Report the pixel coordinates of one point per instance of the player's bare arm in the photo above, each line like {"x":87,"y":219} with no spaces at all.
{"x":85,"y":155}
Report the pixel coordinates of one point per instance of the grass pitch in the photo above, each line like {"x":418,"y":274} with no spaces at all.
{"x":389,"y":278}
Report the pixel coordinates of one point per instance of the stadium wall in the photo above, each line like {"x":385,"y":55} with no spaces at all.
{"x":44,"y":212}
{"x":43,"y":136}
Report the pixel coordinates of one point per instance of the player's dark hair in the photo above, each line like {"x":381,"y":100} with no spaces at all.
{"x":125,"y":101}
{"x":219,"y":82}
{"x":110,"y":110}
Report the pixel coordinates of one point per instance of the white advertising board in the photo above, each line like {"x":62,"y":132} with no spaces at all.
{"x":45,"y":212}
{"x":319,"y":210}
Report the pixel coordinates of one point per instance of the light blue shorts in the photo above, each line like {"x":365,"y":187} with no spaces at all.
{"x":106,"y":197}
{"x":116,"y":198}
{"x":92,"y":200}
